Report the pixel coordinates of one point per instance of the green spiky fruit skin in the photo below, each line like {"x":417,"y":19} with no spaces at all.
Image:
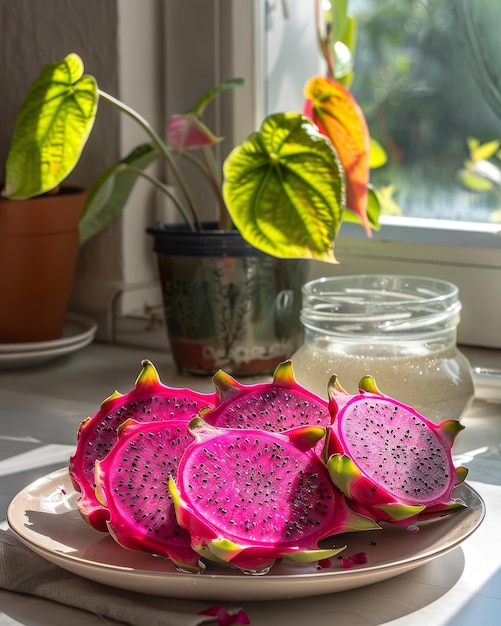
{"x":392,"y":463}
{"x":149,"y":400}
{"x":277,"y":406}
{"x":132,"y":483}
{"x":250,"y":497}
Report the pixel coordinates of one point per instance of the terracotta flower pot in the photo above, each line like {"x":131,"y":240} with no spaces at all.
{"x":227,"y":305}
{"x":39,"y":246}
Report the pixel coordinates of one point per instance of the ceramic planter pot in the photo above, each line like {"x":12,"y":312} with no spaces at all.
{"x":227,"y":305}
{"x":39,"y":246}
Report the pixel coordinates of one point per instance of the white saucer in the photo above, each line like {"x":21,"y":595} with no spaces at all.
{"x":78,"y":332}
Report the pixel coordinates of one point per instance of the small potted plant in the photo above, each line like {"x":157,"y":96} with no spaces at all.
{"x":39,"y":237}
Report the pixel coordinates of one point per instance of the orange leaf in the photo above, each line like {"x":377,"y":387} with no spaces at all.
{"x":338,"y":116}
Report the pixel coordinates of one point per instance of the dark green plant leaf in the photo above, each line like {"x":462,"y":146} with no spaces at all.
{"x":112,"y":189}
{"x":51,"y":130}
{"x":284,"y":189}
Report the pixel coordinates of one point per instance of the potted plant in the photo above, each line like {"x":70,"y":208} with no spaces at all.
{"x":232,"y":288}
{"x":39,"y":237}
{"x":231,"y":299}
{"x":282,"y":195}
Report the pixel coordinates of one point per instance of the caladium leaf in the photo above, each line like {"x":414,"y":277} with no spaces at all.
{"x":51,"y":129}
{"x":284,"y":189}
{"x":338,"y":115}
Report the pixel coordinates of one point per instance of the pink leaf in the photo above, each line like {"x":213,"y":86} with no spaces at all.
{"x":186,"y":132}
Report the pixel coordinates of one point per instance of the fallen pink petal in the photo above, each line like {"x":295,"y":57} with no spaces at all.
{"x":225,"y":617}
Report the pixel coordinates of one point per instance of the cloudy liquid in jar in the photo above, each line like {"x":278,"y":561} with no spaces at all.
{"x":438,"y":385}
{"x":399,"y":329}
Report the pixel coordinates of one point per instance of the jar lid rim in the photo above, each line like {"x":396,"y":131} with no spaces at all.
{"x":380,"y":305}
{"x":383,"y":283}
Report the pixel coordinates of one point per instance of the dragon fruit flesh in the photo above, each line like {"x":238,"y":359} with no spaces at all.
{"x":150,"y":400}
{"x":392,"y":463}
{"x":250,"y":497}
{"x":279,"y":405}
{"x":132,"y":483}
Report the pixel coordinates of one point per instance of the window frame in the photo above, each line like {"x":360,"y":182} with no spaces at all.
{"x":469,"y":259}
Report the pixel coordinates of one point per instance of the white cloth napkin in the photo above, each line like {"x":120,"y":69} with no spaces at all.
{"x":23,"y":571}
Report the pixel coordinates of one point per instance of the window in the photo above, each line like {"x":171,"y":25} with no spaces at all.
{"x":431,"y":94}
{"x":425,"y":92}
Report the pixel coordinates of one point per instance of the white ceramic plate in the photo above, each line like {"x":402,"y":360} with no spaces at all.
{"x":78,"y":332}
{"x":45,"y":518}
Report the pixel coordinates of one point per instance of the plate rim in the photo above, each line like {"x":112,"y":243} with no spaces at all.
{"x":35,"y":356}
{"x":369,"y":573}
{"x":88,"y":328}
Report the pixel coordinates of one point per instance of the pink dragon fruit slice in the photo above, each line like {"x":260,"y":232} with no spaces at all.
{"x":132,"y":483}
{"x":391,"y":462}
{"x":150,"y":400}
{"x":279,"y":405}
{"x":250,"y":497}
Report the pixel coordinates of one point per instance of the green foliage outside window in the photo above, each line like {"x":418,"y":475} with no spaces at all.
{"x":428,"y":77}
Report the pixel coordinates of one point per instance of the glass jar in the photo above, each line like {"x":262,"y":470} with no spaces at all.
{"x":399,"y":329}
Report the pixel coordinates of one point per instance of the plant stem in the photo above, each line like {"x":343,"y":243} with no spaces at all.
{"x":224,"y":217}
{"x":324,"y":39}
{"x":160,"y":144}
{"x":211,"y":173}
{"x":194,"y":226}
